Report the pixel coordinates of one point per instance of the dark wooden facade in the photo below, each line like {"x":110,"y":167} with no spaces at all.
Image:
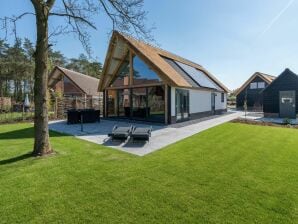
{"x":286,"y":81}
{"x":254,"y":96}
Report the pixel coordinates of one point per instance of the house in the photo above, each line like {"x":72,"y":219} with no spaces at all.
{"x":143,"y":82}
{"x":281,"y":96}
{"x":71,"y":83}
{"x":251,"y":91}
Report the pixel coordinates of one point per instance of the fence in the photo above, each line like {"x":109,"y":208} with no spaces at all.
{"x":5,"y":103}
{"x":57,"y":108}
{"x":62,"y":105}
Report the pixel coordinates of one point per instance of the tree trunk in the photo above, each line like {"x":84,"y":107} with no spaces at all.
{"x":42,"y":144}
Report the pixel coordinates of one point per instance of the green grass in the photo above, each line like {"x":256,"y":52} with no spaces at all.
{"x":233,"y":173}
{"x":19,"y":116}
{"x":15,"y":116}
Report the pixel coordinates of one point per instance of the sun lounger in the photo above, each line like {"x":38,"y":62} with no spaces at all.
{"x":141,"y":134}
{"x":120,"y":133}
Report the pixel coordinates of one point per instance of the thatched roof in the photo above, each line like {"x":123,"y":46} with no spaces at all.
{"x":87,"y":84}
{"x":154,"y":57}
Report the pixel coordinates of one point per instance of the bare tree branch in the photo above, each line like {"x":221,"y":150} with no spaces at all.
{"x":12,"y":20}
{"x":126,"y":16}
{"x":73,"y":17}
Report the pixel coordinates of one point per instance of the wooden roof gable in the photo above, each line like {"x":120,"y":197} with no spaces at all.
{"x":153,"y":57}
{"x":85,"y":83}
{"x":267,"y":78}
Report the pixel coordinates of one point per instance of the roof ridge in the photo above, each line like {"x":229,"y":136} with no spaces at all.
{"x":159,"y":48}
{"x":266,"y":74}
{"x":78,"y":73}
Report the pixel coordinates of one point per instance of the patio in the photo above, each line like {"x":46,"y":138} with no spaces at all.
{"x":162,"y":135}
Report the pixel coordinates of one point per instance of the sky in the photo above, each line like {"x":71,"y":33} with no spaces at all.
{"x":232,"y":38}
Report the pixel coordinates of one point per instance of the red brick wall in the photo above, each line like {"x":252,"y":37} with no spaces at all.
{"x":66,"y":87}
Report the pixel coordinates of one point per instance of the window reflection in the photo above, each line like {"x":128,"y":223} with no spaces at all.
{"x":122,"y":77}
{"x":142,"y":74}
{"x":156,"y":103}
{"x":112,"y":103}
{"x":144,"y":104}
{"x":139,"y":99}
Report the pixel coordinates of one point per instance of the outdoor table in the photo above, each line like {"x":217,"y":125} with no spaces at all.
{"x":76,"y":116}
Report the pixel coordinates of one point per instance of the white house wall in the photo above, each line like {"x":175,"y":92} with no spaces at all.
{"x":218,"y":104}
{"x":199,"y":101}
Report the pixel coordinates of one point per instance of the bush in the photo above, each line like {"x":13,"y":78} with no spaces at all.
{"x":287,"y":121}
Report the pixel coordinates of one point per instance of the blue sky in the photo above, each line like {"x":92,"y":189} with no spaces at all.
{"x":231,"y":38}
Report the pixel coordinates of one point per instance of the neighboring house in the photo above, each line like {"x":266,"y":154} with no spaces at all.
{"x":281,"y":96}
{"x":251,"y":91}
{"x":143,"y":82}
{"x":71,"y":83}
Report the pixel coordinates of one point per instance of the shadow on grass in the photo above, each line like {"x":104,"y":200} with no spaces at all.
{"x":16,"y":159}
{"x":25,"y":133}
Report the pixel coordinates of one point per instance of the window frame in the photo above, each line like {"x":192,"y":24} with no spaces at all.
{"x":263,"y":83}
{"x":131,"y":54}
{"x":222,"y":97}
{"x":253,"y":83}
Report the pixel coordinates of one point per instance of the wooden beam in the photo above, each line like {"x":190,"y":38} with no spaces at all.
{"x":117,"y":59}
{"x":144,"y":58}
{"x":166,"y":104}
{"x":116,"y":70}
{"x":107,"y":61}
{"x":136,"y":86}
{"x":130,"y":67}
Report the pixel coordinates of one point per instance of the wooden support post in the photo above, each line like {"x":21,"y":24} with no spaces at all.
{"x":130,"y":68}
{"x":75,"y":102}
{"x":166,"y":104}
{"x":56,"y":108}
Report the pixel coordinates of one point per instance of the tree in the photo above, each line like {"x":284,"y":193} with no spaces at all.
{"x":126,"y":15}
{"x":85,"y":66}
{"x":3,"y":69}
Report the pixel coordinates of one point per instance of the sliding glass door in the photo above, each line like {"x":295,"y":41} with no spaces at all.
{"x":124,"y":103}
{"x":156,"y":103}
{"x":140,"y":103}
{"x":182,"y":105}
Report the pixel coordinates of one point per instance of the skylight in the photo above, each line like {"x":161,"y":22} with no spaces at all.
{"x":198,"y":76}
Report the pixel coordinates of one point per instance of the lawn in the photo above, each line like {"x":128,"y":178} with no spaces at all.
{"x":15,"y":116}
{"x":233,"y":173}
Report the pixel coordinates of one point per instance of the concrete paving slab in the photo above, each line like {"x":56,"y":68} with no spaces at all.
{"x":162,"y":135}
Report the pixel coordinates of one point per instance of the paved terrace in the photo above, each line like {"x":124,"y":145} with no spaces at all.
{"x":162,"y":135}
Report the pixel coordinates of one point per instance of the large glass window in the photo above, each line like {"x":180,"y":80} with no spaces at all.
{"x":142,"y":74}
{"x":142,"y":103}
{"x":156,"y":103}
{"x":139,"y":102}
{"x":124,"y":102}
{"x":112,"y":103}
{"x":122,"y":76}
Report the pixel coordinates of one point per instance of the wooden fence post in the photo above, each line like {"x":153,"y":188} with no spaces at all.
{"x":56,"y":108}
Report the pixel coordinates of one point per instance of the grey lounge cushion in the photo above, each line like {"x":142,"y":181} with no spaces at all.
{"x":120,"y":132}
{"x":141,"y":133}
